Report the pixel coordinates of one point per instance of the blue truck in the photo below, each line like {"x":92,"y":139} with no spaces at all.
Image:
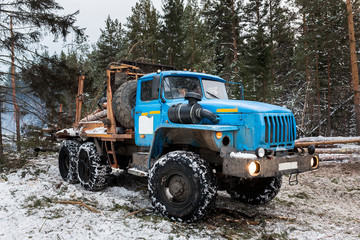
{"x":181,"y":131}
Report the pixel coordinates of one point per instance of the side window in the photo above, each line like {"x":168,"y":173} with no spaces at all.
{"x":146,"y":88}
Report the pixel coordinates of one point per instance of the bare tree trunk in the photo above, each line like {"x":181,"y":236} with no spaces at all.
{"x":2,"y":160}
{"x":272,"y":67}
{"x":328,"y":97}
{"x":16,"y":106}
{"x":70,"y":118}
{"x":354,"y":67}
{"x":192,"y":26}
{"x":307,"y":73}
{"x":318,"y":92}
{"x":2,"y":108}
{"x":261,"y":95}
{"x":234,"y":23}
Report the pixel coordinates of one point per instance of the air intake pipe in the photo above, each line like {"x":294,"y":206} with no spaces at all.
{"x":190,"y":113}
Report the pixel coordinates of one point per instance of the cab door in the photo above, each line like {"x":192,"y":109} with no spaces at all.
{"x":147,"y":113}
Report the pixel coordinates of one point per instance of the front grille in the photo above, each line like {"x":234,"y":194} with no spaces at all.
{"x":279,"y":129}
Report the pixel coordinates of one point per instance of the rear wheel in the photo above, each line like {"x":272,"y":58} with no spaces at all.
{"x":182,"y":186}
{"x":68,"y":160}
{"x":93,"y":170}
{"x":256,"y":191}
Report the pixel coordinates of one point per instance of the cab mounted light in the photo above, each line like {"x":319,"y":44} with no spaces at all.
{"x":218,"y":135}
{"x":311,"y":149}
{"x":260,"y":152}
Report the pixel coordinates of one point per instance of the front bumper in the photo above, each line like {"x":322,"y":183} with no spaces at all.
{"x":237,"y":164}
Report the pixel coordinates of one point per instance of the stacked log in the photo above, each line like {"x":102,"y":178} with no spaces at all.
{"x":330,"y":142}
{"x":98,"y":115}
{"x":329,"y":149}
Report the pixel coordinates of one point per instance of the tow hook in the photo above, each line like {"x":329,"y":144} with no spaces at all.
{"x":293,"y":179}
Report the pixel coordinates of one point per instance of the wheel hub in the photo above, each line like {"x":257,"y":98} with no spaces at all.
{"x":179,"y":188}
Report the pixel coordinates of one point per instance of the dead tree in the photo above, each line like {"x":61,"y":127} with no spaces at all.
{"x":354,"y":67}
{"x":16,"y":106}
{"x":2,"y":159}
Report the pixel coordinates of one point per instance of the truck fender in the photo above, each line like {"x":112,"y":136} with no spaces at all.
{"x":196,"y":136}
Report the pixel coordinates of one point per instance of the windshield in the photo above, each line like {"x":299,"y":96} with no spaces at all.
{"x":178,"y":86}
{"x":214,"y":89}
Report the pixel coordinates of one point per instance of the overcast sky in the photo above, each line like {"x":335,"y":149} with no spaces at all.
{"x":93,"y":14}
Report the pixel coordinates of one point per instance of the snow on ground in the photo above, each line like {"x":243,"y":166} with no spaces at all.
{"x":324,"y":205}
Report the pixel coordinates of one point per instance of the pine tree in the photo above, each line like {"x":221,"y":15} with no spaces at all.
{"x":281,"y":43}
{"x":223,"y":22}
{"x":258,"y":52}
{"x":197,"y":54}
{"x":354,"y":65}
{"x":173,"y":32}
{"x":22,"y":25}
{"x":143,"y":33}
{"x":43,"y":78}
{"x":110,"y":45}
{"x":323,"y":60}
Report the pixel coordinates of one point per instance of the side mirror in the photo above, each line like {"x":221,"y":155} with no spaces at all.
{"x":155,"y":87}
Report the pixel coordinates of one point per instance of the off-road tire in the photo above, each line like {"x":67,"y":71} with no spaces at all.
{"x":123,"y":102}
{"x":182,"y":186}
{"x":256,"y":191}
{"x":93,"y":170}
{"x":68,"y":161}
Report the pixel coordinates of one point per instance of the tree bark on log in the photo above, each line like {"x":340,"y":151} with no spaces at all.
{"x":334,"y":157}
{"x":337,"y":150}
{"x":306,"y":144}
{"x":96,"y":116}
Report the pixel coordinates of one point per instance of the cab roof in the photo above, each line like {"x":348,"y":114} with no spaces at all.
{"x":185,"y":74}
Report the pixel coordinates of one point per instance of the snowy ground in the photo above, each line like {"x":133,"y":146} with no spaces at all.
{"x":324,"y":205}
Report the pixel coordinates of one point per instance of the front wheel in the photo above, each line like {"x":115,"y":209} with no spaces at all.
{"x":182,"y":186}
{"x":256,"y":191}
{"x":93,"y":170}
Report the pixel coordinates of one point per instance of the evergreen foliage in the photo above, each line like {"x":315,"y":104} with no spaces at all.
{"x":143,"y":33}
{"x":110,"y":46}
{"x":293,"y":53}
{"x":173,"y":32}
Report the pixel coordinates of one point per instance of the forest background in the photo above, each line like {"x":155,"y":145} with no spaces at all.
{"x":292,"y":53}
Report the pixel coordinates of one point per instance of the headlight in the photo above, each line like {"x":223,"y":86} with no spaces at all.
{"x":260,"y":152}
{"x":314,"y":162}
{"x":254,"y":168}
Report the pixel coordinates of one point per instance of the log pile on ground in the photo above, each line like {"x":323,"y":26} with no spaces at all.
{"x":332,"y":148}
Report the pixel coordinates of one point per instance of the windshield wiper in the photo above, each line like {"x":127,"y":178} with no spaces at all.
{"x":213,"y":95}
